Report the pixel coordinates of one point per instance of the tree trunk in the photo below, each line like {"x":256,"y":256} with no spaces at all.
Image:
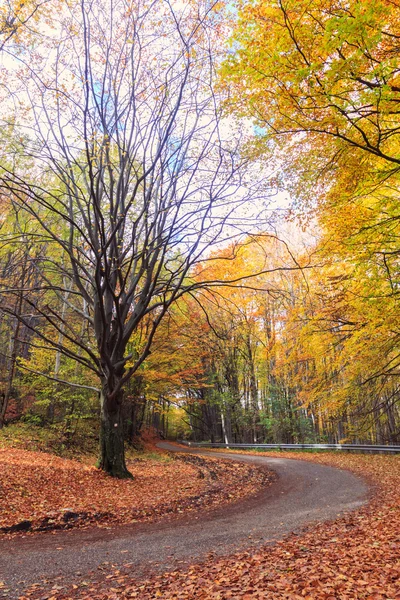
{"x":13,"y":350}
{"x":13,"y":363}
{"x":57,"y":364}
{"x":112,"y":450}
{"x":224,"y":428}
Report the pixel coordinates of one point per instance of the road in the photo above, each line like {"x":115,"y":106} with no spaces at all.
{"x":304,"y":493}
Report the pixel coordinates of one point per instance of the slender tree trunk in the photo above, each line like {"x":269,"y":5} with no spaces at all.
{"x":253,"y":396}
{"x":167,"y":420}
{"x":57,"y":364}
{"x":224,"y":428}
{"x":112,"y":451}
{"x":391,"y":420}
{"x":10,"y":379}
{"x":3,"y":409}
{"x":4,"y":400}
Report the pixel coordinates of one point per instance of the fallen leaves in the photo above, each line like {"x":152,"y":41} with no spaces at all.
{"x":40,"y":492}
{"x":356,"y":557}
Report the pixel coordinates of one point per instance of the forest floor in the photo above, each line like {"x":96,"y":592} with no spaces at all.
{"x":40,"y":492}
{"x":355,"y":557}
{"x":117,"y":561}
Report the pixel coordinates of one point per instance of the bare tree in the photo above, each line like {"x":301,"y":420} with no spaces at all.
{"x":129,"y":178}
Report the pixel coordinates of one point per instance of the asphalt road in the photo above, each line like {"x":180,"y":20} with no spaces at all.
{"x":303,"y":493}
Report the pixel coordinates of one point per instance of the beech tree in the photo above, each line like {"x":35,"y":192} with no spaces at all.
{"x":320,"y":78}
{"x":125,"y":175}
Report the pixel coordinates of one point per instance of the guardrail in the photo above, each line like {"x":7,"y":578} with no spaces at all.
{"x":342,"y":447}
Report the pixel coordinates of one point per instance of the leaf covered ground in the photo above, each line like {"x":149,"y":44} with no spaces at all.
{"x":40,"y":491}
{"x":356,"y":557}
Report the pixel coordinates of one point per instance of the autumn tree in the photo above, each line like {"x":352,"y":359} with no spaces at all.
{"x":131,"y":179}
{"x":247,"y":392}
{"x":17,"y":17}
{"x":329,"y":70}
{"x":320,"y":79}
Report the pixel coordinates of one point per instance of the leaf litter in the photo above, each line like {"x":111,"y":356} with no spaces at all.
{"x":42,"y":492}
{"x":355,"y":557}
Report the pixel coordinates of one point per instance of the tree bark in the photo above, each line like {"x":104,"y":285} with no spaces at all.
{"x":12,"y":366}
{"x":112,"y":451}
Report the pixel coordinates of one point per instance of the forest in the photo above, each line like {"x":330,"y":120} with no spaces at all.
{"x":199,"y":222}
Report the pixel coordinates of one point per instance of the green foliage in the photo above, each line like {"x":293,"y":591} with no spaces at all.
{"x":33,"y":419}
{"x":178,"y":427}
{"x":28,"y":435}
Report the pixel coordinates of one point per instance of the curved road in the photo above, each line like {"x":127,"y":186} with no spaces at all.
{"x":304,"y":493}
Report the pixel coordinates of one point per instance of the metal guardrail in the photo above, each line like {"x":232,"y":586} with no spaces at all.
{"x":343,"y":447}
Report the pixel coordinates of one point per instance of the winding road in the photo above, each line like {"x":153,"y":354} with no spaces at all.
{"x":304,"y":493}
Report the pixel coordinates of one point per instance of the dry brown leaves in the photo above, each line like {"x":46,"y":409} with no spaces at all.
{"x":51,"y":493}
{"x":355,"y":557}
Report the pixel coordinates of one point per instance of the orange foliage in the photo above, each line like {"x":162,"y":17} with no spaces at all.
{"x":355,"y":557}
{"x":52,"y":492}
